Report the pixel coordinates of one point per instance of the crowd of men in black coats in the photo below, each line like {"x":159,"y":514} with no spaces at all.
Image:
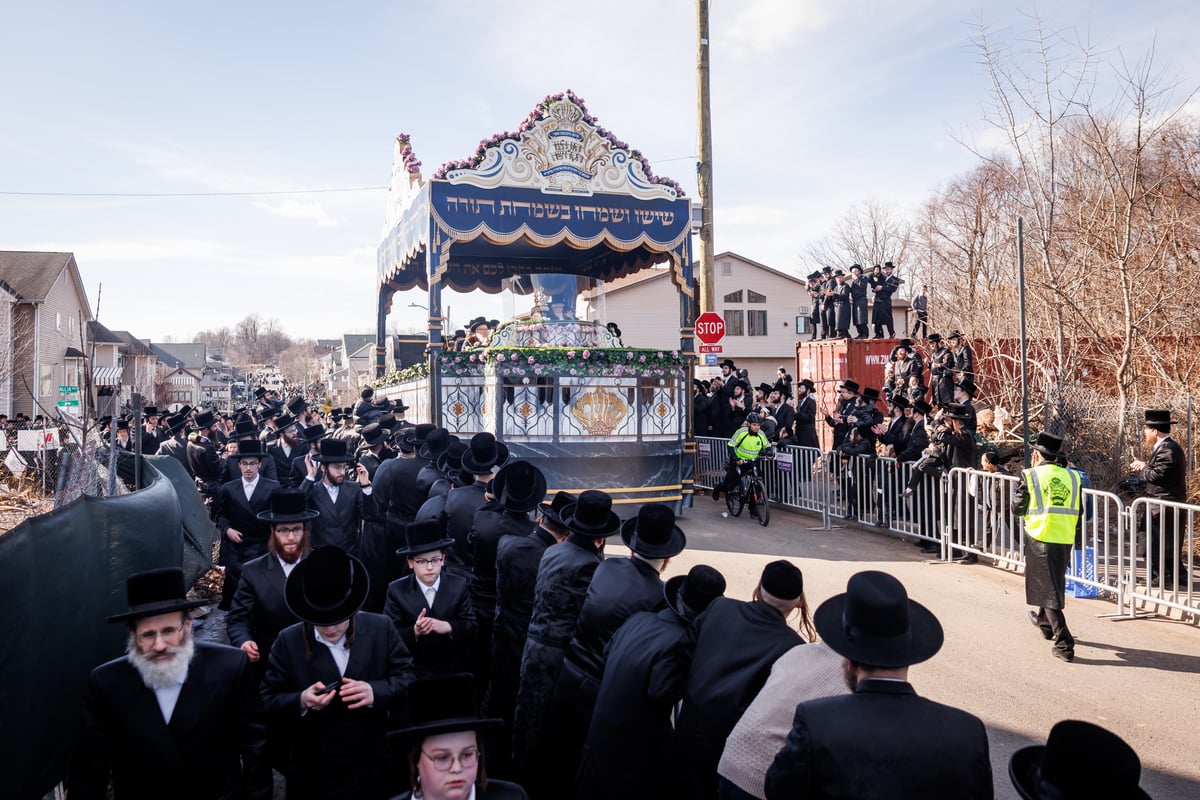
{"x":839,"y":301}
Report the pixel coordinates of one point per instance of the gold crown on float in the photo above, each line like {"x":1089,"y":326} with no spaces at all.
{"x":566,"y":113}
{"x":599,"y":412}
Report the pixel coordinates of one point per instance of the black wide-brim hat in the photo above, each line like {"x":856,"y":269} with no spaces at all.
{"x":850,"y":386}
{"x":373,"y":434}
{"x":327,"y":587}
{"x":1079,"y":759}
{"x":313,"y":433}
{"x":333,"y":451}
{"x":205,"y":419}
{"x":155,"y":591}
{"x":1048,"y":445}
{"x":874,"y":622}
{"x":553,"y":510}
{"x":519,"y":486}
{"x":653,"y":532}
{"x":591,"y":515}
{"x":424,"y":537}
{"x":442,"y":704}
{"x":697,"y":589}
{"x":288,"y":505}
{"x":1159,"y":419}
{"x":483,"y":453}
{"x":436,"y":443}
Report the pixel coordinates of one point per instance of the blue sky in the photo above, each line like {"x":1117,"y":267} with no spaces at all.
{"x":815,"y":107}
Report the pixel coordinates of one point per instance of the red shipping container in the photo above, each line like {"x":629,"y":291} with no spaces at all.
{"x":828,"y":362}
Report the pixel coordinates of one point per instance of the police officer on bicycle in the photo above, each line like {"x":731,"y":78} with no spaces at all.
{"x":746,"y":445}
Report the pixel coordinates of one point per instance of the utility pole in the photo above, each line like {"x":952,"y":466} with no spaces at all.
{"x":704,"y":166}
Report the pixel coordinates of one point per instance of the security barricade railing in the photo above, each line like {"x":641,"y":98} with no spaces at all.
{"x":969,"y":512}
{"x":1158,"y":553}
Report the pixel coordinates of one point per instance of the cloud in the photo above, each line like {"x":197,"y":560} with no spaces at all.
{"x":296,"y":208}
{"x":764,"y":26}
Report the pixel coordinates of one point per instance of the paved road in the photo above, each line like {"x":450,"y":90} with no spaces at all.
{"x":1139,"y":678}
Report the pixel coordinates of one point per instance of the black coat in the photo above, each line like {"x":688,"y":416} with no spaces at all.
{"x":176,"y":448}
{"x":283,"y":463}
{"x":882,"y":741}
{"x":785,"y":416}
{"x":461,"y":505}
{"x":491,"y":524}
{"x":964,"y":361}
{"x":234,"y":511}
{"x":700,"y":414}
{"x":719,"y":668}
{"x":1165,"y":473}
{"x":216,"y":723}
{"x":434,"y":653}
{"x":259,"y":611}
{"x":267,"y":469}
{"x":496,"y":790}
{"x":805,"y":422}
{"x":340,"y":524}
{"x":629,"y":738}
{"x":918,"y":440}
{"x":563,"y":576}
{"x":205,"y":465}
{"x":1045,"y":562}
{"x":338,"y":753}
{"x":517,"y":561}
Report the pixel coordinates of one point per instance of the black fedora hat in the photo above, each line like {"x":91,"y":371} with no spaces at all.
{"x":150,"y":411}
{"x":968,"y":386}
{"x":417,"y":434}
{"x":398,"y":407}
{"x":436,"y":442}
{"x":442,"y":704}
{"x":288,"y":505}
{"x":955,"y":334}
{"x":591,"y":515}
{"x":922,"y":407}
{"x":1049,"y":445}
{"x":450,"y":462}
{"x":849,"y":386}
{"x":284,"y":421}
{"x":653,"y":532}
{"x":297,"y":405}
{"x":248,"y":448}
{"x":204,"y":419}
{"x":728,"y":363}
{"x":955,"y":411}
{"x":373,"y":434}
{"x":871,"y":395}
{"x":935,"y":337}
{"x":1158,"y":419}
{"x":899,"y":401}
{"x":1079,"y":759}
{"x":244,"y":427}
{"x":907,"y":344}
{"x":327,"y":587}
{"x":874,"y":622}
{"x":177,"y":422}
{"x":155,"y":591}
{"x":765,"y":388}
{"x":689,"y":594}
{"x":333,"y":451}
{"x":313,"y":433}
{"x":424,"y":537}
{"x":553,"y":510}
{"x":807,"y":383}
{"x":484,"y":453}
{"x":477,"y":322}
{"x":519,"y":486}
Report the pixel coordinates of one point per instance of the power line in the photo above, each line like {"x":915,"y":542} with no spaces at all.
{"x":191,"y":194}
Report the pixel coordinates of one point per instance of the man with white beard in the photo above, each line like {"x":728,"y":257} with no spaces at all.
{"x":171,"y":717}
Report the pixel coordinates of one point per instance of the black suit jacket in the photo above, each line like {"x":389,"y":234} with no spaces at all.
{"x":234,"y":511}
{"x":339,"y":524}
{"x":215,"y":723}
{"x":434,"y":654}
{"x":883,"y":741}
{"x":259,"y":611}
{"x":1165,"y":472}
{"x":338,"y":753}
{"x":496,"y":790}
{"x":283,"y":463}
{"x":177,"y":449}
{"x":205,"y":465}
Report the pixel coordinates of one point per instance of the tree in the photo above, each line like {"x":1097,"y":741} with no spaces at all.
{"x":870,"y":233}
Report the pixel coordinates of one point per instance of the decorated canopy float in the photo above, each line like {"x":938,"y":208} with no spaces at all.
{"x":547,"y":215}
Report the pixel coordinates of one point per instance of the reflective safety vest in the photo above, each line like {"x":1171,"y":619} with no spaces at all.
{"x":1055,"y":503}
{"x":746,"y":445}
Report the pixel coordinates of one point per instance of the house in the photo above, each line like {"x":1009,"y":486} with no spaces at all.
{"x":44,"y":316}
{"x":107,"y":370}
{"x":139,"y":369}
{"x":180,"y":386}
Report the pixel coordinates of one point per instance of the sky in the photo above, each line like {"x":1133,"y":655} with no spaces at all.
{"x":816,"y":106}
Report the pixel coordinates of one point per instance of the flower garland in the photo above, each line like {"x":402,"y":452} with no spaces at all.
{"x":539,"y":113}
{"x":415,"y":372}
{"x":411,"y":163}
{"x":630,"y":361}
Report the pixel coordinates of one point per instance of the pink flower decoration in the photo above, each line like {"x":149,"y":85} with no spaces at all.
{"x":587,"y":353}
{"x":531,"y":359}
{"x":570,"y":354}
{"x":629,"y":356}
{"x":641,"y":359}
{"x":499,"y":356}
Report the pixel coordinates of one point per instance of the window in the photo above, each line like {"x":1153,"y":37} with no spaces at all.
{"x":734,"y":297}
{"x":71,"y":325}
{"x":58,"y":320}
{"x":754,"y":297}
{"x":735,"y":322}
{"x":726,"y":267}
{"x":758,"y":322}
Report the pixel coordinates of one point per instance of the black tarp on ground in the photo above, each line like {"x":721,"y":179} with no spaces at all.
{"x":61,"y":574}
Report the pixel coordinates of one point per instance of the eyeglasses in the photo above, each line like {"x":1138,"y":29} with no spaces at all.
{"x":443,"y":761}
{"x":428,"y":562}
{"x":148,"y":637}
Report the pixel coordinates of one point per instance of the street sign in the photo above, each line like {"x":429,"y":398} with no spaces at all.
{"x":68,"y":389}
{"x":710,"y":361}
{"x":68,"y":404}
{"x":710,"y":328}
{"x":711,"y":348}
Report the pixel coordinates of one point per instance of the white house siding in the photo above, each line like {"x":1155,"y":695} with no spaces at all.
{"x":647,"y":313}
{"x":60,"y":320}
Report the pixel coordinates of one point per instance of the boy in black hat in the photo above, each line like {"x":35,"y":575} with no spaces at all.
{"x":882,"y":740}
{"x":172,"y":716}
{"x":335,"y":678}
{"x":431,"y":608}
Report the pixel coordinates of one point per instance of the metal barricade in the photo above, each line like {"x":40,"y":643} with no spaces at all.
{"x":795,"y":477}
{"x":977,"y":509}
{"x":1159,"y":529}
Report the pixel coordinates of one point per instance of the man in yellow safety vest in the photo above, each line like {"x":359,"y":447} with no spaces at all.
{"x":1049,"y":498}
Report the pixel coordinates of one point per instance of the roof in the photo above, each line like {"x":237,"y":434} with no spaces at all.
{"x":753,"y":263}
{"x":353,"y":342}
{"x":131,"y":345}
{"x":189,"y":354}
{"x":629,"y":281}
{"x":99,"y":334}
{"x":31,"y":275}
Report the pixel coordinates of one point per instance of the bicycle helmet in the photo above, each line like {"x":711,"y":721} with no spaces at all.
{"x":753,"y":417}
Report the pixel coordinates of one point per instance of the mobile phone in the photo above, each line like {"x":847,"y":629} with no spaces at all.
{"x":329,"y":687}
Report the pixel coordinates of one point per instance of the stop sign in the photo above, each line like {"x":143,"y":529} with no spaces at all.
{"x":710,"y":328}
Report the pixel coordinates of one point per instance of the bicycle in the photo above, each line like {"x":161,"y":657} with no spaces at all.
{"x":751,"y":491}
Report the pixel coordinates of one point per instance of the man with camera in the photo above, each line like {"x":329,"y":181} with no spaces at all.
{"x":343,"y":501}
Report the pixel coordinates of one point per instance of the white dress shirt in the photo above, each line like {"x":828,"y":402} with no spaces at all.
{"x":249,"y":488}
{"x":167,"y":697}
{"x":341,"y":655}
